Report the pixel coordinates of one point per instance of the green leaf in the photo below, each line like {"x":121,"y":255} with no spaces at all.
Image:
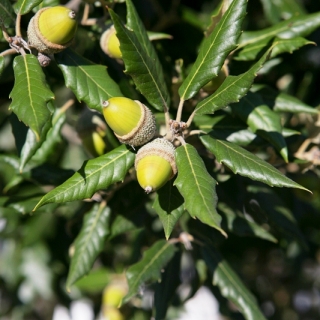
{"x":232,"y":89}
{"x":252,"y":51}
{"x":262,"y":121}
{"x":1,"y":65}
{"x":95,"y":281}
{"x":144,"y":70}
{"x":32,"y":145}
{"x":298,"y":26}
{"x":241,"y":226}
{"x":149,"y":268}
{"x":134,"y":23}
{"x":276,"y":10}
{"x":25,"y":6}
{"x":214,"y":50}
{"x":230,"y":285}
{"x":169,"y":206}
{"x":94,"y":175}
{"x":89,"y":243}
{"x":30,"y":93}
{"x":197,"y":187}
{"x":7,"y":15}
{"x":243,"y":162}
{"x":88,"y":81}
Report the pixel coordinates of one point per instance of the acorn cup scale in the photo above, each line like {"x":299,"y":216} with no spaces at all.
{"x":155,"y":164}
{"x":131,"y":121}
{"x":52,"y":29}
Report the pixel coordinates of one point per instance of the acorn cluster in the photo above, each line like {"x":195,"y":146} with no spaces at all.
{"x":134,"y":124}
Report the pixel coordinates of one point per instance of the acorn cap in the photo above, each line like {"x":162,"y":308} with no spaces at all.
{"x":133,"y":123}
{"x":110,"y":43}
{"x":155,"y":164}
{"x":52,"y":29}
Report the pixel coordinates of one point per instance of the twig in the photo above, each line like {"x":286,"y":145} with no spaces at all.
{"x":194,"y":132}
{"x":182,"y":141}
{"x":8,"y":52}
{"x":179,"y":112}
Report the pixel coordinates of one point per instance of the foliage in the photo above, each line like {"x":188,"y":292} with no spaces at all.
{"x":232,"y":85}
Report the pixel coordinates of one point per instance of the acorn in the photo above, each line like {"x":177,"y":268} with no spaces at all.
{"x":131,"y":121}
{"x":155,"y":164}
{"x":52,"y":29}
{"x":110,"y":43}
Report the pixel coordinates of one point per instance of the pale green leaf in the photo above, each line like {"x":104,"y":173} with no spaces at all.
{"x":243,"y":162}
{"x":197,"y":187}
{"x":89,"y":243}
{"x":90,"y":82}
{"x":143,"y":68}
{"x":230,"y":285}
{"x":30,"y":93}
{"x":25,"y":6}
{"x":214,"y":50}
{"x":169,"y":206}
{"x":95,"y":174}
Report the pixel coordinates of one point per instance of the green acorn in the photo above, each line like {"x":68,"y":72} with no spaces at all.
{"x":110,"y":43}
{"x":131,"y":121}
{"x":52,"y":29}
{"x":155,"y":164}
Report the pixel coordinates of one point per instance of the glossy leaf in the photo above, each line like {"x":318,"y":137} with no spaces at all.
{"x":169,"y":206}
{"x":243,"y":162}
{"x":25,"y":6}
{"x":252,"y":51}
{"x":241,"y":226}
{"x":134,"y":23}
{"x":7,"y":15}
{"x":145,"y":72}
{"x":90,"y":82}
{"x":149,"y":268}
{"x":31,"y":144}
{"x":30,"y":93}
{"x":89,"y":243}
{"x":232,"y":90}
{"x":262,"y":121}
{"x":299,"y":26}
{"x":230,"y":285}
{"x":214,"y":50}
{"x":94,"y":175}
{"x":197,"y":187}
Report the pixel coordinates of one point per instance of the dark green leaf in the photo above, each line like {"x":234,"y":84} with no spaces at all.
{"x":134,"y":23}
{"x":169,"y":206}
{"x":94,"y":175}
{"x":241,"y":226}
{"x":95,"y":281}
{"x":231,"y":286}
{"x":89,"y":243}
{"x":277,"y":10}
{"x":145,"y":72}
{"x":121,"y":225}
{"x":1,"y":65}
{"x":89,"y":82}
{"x":25,"y":6}
{"x":7,"y":15}
{"x":197,"y":187}
{"x":30,"y":93}
{"x":262,"y":121}
{"x":149,"y":268}
{"x":215,"y":49}
{"x":243,"y":162}
{"x":232,"y":89}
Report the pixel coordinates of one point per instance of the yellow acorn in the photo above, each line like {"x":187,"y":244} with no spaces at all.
{"x":52,"y":29}
{"x":155,"y":164}
{"x":131,"y":121}
{"x":92,"y":130}
{"x":110,"y":44}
